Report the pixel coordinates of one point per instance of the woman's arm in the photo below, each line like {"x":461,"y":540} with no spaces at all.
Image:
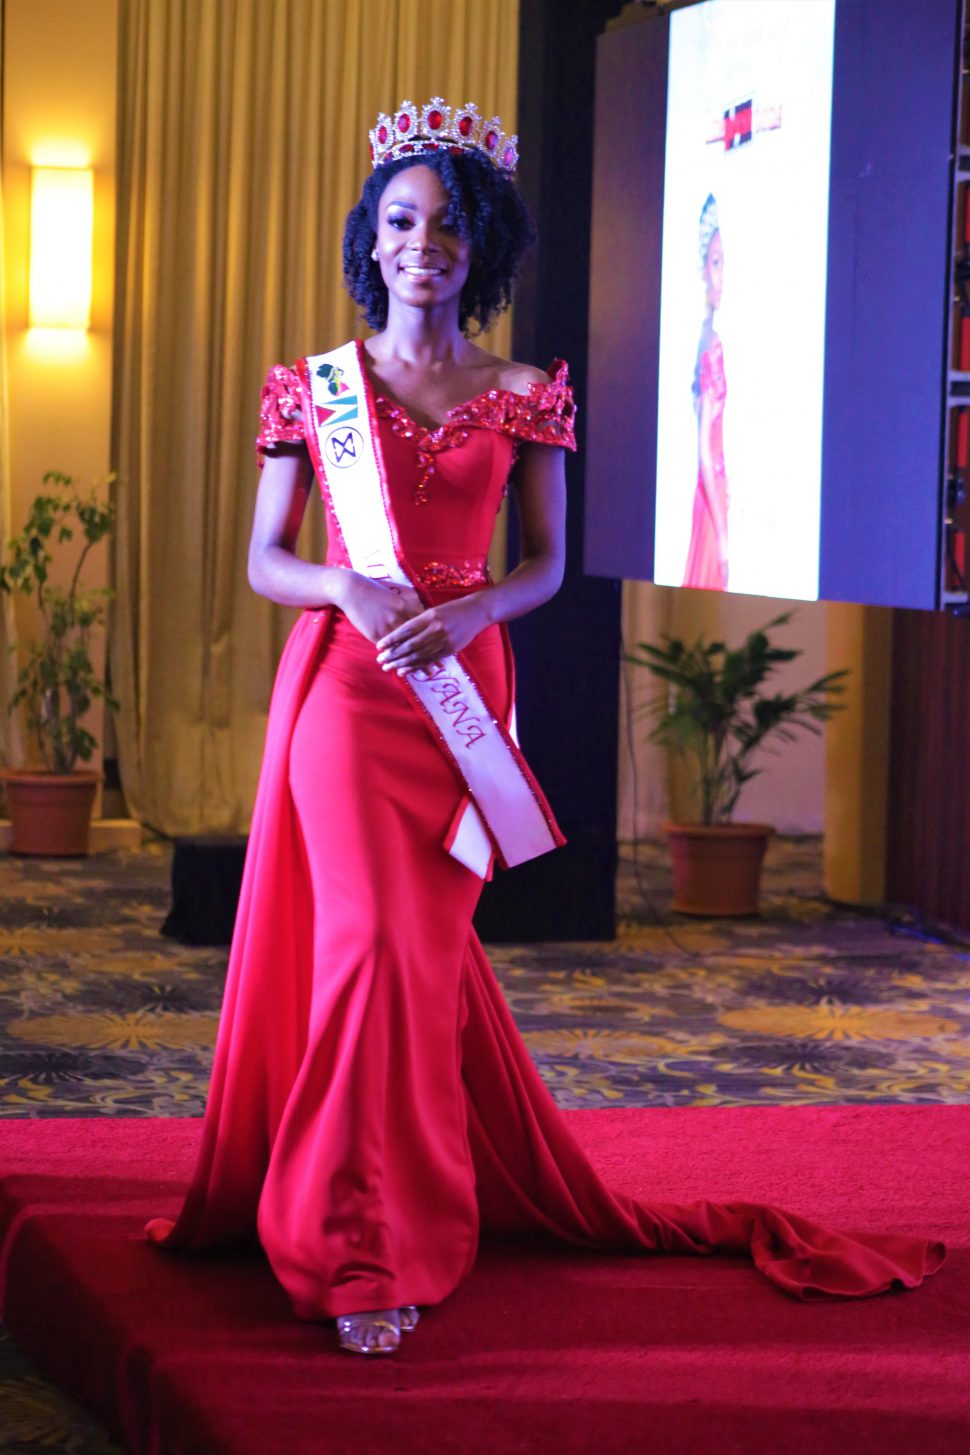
{"x":539,"y":485}
{"x":275,"y":571}
{"x":540,"y":490}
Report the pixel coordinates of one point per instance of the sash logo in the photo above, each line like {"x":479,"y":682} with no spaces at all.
{"x":341,"y":413}
{"x":344,"y":447}
{"x":333,"y":376}
{"x":345,"y":406}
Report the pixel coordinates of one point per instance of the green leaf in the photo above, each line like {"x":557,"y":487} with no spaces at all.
{"x":56,"y":683}
{"x":715,"y":709}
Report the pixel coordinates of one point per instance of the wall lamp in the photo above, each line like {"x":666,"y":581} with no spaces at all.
{"x":61,"y":232}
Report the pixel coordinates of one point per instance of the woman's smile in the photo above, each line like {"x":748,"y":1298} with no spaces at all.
{"x":422,"y":270}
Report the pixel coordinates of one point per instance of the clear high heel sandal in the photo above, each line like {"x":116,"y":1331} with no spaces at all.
{"x":375,"y":1331}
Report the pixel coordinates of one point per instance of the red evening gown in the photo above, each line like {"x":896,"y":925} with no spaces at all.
{"x":704,"y":566}
{"x":372,"y":1105}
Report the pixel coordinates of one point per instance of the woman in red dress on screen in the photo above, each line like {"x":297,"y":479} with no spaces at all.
{"x":372,"y":1104}
{"x":707,"y":555}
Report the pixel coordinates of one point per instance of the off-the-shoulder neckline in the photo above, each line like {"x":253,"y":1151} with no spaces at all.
{"x":535,"y":385}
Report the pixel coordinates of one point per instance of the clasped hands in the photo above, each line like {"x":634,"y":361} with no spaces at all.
{"x":436,"y":632}
{"x":408,"y":635}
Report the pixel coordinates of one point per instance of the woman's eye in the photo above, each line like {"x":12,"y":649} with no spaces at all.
{"x":399,"y":220}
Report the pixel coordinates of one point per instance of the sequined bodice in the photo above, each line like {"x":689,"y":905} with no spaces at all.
{"x":446,"y":483}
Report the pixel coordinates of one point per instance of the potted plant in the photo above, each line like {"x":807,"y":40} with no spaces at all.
{"x":51,"y":801}
{"x":715,"y":711}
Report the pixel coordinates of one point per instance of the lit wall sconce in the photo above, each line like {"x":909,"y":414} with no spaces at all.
{"x":61,"y":231}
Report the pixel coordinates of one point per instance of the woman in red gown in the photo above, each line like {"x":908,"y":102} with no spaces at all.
{"x":707,"y":554}
{"x":372,"y":1104}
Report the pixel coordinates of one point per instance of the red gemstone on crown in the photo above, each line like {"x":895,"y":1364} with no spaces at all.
{"x":435,"y":119}
{"x":403,"y":123}
{"x":407,"y":147}
{"x":491,"y":140}
{"x":382,"y":135}
{"x":508,"y":157}
{"x":465,"y":126}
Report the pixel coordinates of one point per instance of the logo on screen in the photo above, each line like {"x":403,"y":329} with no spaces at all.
{"x":742,"y":122}
{"x":738,"y":125}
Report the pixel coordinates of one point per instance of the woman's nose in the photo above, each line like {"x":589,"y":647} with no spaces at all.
{"x":420,"y":238}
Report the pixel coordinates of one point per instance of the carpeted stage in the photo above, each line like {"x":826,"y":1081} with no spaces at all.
{"x":544,"y":1348}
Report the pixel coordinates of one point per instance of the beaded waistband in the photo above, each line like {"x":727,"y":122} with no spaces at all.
{"x":453,"y":573}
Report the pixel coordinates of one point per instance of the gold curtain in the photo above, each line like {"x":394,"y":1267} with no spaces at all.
{"x":11,"y":739}
{"x":242,"y":145}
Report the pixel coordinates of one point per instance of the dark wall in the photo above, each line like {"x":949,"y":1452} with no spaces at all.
{"x":628,"y":202}
{"x":888,"y":277}
{"x":928,"y":857}
{"x":567,"y":653}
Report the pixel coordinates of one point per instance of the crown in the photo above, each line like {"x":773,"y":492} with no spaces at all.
{"x":439,"y":127}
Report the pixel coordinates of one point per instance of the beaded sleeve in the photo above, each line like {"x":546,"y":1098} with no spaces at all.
{"x":279,"y":399}
{"x":546,"y":415}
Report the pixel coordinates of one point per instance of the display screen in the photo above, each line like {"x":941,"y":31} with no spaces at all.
{"x":742,"y":296}
{"x":769,"y":298}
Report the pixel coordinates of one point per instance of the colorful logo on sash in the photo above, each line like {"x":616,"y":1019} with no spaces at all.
{"x":345,"y":406}
{"x":343,"y":447}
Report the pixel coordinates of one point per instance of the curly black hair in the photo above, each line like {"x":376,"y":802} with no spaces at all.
{"x":486,"y":206}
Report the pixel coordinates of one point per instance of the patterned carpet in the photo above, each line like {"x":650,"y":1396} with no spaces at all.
{"x":101,"y":1016}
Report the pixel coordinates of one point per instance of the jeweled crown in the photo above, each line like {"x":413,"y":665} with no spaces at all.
{"x":412,"y":130}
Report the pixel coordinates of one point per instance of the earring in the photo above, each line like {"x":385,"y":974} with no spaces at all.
{"x":373,"y":253}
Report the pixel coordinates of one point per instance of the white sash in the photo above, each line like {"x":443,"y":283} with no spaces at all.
{"x":508,"y":812}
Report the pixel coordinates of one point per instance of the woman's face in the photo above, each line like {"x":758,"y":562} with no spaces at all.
{"x":714,"y":271}
{"x":424,"y":259}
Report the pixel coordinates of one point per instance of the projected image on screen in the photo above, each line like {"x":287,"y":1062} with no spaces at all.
{"x":742,"y":297}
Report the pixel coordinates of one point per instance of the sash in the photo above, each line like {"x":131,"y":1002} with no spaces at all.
{"x":507,"y":812}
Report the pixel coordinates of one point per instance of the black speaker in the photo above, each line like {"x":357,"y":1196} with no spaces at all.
{"x":206,"y":875}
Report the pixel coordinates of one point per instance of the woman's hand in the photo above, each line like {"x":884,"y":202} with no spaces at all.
{"x":377,"y":607}
{"x":439,"y":631}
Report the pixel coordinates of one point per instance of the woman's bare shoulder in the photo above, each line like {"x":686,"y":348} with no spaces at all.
{"x":495,"y":372}
{"x":518,"y":377}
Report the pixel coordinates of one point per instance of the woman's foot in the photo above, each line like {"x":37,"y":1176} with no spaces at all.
{"x":409,"y":1316}
{"x":375,"y":1331}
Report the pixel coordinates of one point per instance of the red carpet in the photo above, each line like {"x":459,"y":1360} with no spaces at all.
{"x":542,"y":1349}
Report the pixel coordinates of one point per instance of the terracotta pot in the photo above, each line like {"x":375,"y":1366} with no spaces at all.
{"x":717,"y":867}
{"x":50,"y":812}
